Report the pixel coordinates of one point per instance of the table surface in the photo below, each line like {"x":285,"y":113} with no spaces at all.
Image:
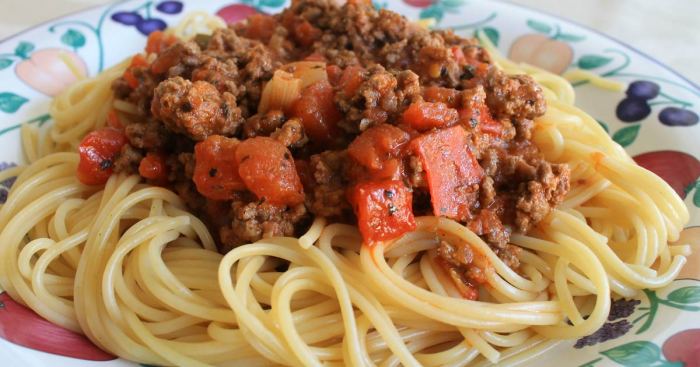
{"x":668,"y":30}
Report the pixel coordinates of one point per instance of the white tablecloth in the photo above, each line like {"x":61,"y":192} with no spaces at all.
{"x":669,"y":30}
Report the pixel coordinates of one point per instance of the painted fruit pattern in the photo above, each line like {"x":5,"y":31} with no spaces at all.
{"x":23,"y":326}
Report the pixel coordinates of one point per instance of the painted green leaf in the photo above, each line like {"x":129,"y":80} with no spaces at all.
{"x":452,"y":3}
{"x":566,"y":37}
{"x":626,"y":135}
{"x":604,"y":126}
{"x":4,"y":63}
{"x":637,"y":353}
{"x":591,"y":363}
{"x":73,"y":38}
{"x":492,"y":34}
{"x":696,"y":197}
{"x":272,"y":3}
{"x":379,"y":5}
{"x":539,"y":26}
{"x":24,"y":49}
{"x":685,"y":295}
{"x":10,"y":102}
{"x":588,"y":62}
{"x":670,"y":364}
{"x":433,"y":11}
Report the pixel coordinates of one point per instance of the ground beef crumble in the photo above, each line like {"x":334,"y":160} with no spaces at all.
{"x":212,"y":87}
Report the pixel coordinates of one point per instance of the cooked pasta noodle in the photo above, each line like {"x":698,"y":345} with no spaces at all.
{"x":129,"y":267}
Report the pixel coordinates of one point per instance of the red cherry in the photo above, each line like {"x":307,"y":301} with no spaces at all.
{"x":419,"y":3}
{"x":236,"y":12}
{"x":24,"y":327}
{"x":677,"y":168}
{"x":683,"y":347}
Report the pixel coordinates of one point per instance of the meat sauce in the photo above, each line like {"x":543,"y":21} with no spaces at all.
{"x":396,"y":121}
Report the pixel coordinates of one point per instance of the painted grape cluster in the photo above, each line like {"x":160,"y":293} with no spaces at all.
{"x":680,"y":350}
{"x":637,"y":106}
{"x":149,"y":23}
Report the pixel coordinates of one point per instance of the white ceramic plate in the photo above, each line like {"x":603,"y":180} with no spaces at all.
{"x":662,"y":328}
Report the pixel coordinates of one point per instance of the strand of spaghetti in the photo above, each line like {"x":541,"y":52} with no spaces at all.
{"x":414,"y":299}
{"x":39,"y":276}
{"x":313,"y":233}
{"x":610,"y":259}
{"x":132,"y":238}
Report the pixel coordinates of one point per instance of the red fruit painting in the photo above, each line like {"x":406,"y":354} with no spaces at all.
{"x":24,"y":327}
{"x":683,"y":347}
{"x":419,"y":3}
{"x":679,"y":169}
{"x":235,"y":12}
{"x":691,"y":269}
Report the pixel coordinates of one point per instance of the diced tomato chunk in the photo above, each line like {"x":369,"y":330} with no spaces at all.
{"x":159,"y":41}
{"x":305,"y":33}
{"x":458,"y":55}
{"x":261,"y":27}
{"x":377,"y":150}
{"x":306,"y":173}
{"x":451,"y":171}
{"x":137,"y":61}
{"x":113,"y":120}
{"x":351,"y":79}
{"x":153,"y":167}
{"x":216,"y":169}
{"x":334,"y":73}
{"x":98,"y":150}
{"x":383,"y":209}
{"x":268,"y":171}
{"x":424,"y":116}
{"x":166,"y":59}
{"x":447,"y":96}
{"x":317,"y":111}
{"x":480,"y":118}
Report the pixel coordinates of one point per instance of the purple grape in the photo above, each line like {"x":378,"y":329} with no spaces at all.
{"x":11,"y":180}
{"x":674,"y":116}
{"x":609,"y":330}
{"x":147,"y":26}
{"x":632,"y":109}
{"x":169,"y":7}
{"x":3,"y":195}
{"x":643,"y":89}
{"x":126,"y":17}
{"x":622,"y":308}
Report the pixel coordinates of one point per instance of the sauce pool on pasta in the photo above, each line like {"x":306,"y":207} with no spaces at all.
{"x":329,"y":185}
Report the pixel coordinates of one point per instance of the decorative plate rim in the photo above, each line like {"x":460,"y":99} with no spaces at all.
{"x":507,"y":2}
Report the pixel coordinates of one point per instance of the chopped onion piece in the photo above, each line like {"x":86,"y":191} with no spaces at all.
{"x":309,"y":72}
{"x":280,"y":92}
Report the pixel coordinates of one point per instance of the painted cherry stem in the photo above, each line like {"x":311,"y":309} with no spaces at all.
{"x":617,"y":72}
{"x":41,"y":120}
{"x":475,"y":24}
{"x":654,"y":303}
{"x":614,"y":72}
{"x":96,"y":30}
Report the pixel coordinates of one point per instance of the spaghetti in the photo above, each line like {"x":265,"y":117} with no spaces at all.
{"x":127,"y":265}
